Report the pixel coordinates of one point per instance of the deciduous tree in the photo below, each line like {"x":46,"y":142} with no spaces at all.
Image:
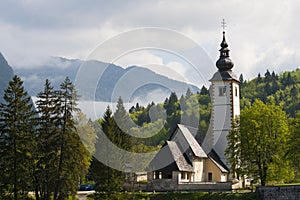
{"x":257,"y":144}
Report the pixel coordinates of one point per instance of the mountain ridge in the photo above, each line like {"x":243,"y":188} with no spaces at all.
{"x":113,"y":77}
{"x":6,"y":74}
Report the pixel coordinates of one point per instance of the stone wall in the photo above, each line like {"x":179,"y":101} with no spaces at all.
{"x":170,"y":185}
{"x":279,"y":192}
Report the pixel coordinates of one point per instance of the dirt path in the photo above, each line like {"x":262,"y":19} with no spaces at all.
{"x":82,"y":195}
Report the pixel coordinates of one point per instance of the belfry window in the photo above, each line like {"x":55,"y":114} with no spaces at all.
{"x":222,"y":91}
{"x":236,"y":91}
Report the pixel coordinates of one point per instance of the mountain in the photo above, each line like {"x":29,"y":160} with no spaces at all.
{"x":6,"y":74}
{"x":132,"y":84}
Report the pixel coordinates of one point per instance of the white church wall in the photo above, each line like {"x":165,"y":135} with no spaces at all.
{"x":224,"y":109}
{"x":225,"y":99}
{"x":236,"y":99}
{"x":221,"y":114}
{"x":221,"y":145}
{"x":223,"y":177}
{"x":198,"y":169}
{"x":222,"y":117}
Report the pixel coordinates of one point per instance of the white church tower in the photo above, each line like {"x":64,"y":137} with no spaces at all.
{"x":225,"y":99}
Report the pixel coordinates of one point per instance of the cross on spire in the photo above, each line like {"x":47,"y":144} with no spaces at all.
{"x":223,"y":24}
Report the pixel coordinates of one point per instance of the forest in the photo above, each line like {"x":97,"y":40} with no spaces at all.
{"x":48,"y":147}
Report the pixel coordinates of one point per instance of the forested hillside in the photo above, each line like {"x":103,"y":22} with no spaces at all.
{"x":283,"y":89}
{"x":194,"y":109}
{"x":161,"y":119}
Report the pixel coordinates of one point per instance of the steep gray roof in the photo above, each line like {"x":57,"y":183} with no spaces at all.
{"x":195,"y":146}
{"x":170,"y":158}
{"x":178,"y":157}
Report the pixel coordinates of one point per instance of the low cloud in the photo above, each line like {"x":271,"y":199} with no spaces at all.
{"x":32,"y":31}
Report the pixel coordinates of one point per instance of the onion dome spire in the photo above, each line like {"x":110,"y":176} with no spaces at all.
{"x":224,"y":63}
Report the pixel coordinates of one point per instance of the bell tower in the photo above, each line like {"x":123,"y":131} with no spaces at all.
{"x":225,"y":100}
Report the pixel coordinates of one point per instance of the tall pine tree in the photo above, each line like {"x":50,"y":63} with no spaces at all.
{"x":72,"y":155}
{"x":48,"y":138}
{"x":17,"y":140}
{"x":106,"y":179}
{"x":123,"y":125}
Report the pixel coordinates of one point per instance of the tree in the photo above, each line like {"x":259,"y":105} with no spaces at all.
{"x":260,"y":141}
{"x":289,"y":79}
{"x":173,"y":113}
{"x":72,"y":156}
{"x":17,"y":140}
{"x":123,"y":123}
{"x":268,"y":77}
{"x":183,"y":104}
{"x":204,"y":90}
{"x":268,"y":89}
{"x":274,"y":76}
{"x":86,"y":131}
{"x":241,"y":79}
{"x":294,"y":92}
{"x":233,"y":151}
{"x":171,"y":105}
{"x":293,"y":152}
{"x":48,"y":135}
{"x":106,"y":179}
{"x":259,"y":79}
{"x":188,"y":93}
{"x":275,"y":86}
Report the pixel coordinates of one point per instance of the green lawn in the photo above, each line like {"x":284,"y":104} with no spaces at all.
{"x":183,"y":195}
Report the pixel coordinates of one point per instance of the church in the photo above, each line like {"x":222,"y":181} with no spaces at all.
{"x":191,"y":164}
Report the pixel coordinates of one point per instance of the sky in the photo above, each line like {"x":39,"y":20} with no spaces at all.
{"x":261,"y":34}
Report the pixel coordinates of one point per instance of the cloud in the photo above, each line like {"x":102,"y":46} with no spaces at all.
{"x":155,"y":96}
{"x":139,"y":58}
{"x":32,"y":30}
{"x":150,"y":60}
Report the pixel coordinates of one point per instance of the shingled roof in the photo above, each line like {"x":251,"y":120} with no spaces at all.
{"x":195,"y":146}
{"x":178,"y":157}
{"x":170,"y":158}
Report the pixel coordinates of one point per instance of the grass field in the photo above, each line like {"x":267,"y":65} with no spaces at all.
{"x":181,"y":195}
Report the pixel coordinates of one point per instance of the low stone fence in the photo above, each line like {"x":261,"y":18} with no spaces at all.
{"x":170,"y":185}
{"x":279,"y":192}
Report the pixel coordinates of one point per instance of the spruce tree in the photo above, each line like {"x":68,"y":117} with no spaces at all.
{"x":259,"y":79}
{"x":188,"y":93}
{"x":173,"y":113}
{"x":48,"y":135}
{"x":241,"y":79}
{"x":123,"y":126}
{"x":268,"y":77}
{"x":17,"y":140}
{"x":204,"y":90}
{"x":106,"y":179}
{"x":72,"y":155}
